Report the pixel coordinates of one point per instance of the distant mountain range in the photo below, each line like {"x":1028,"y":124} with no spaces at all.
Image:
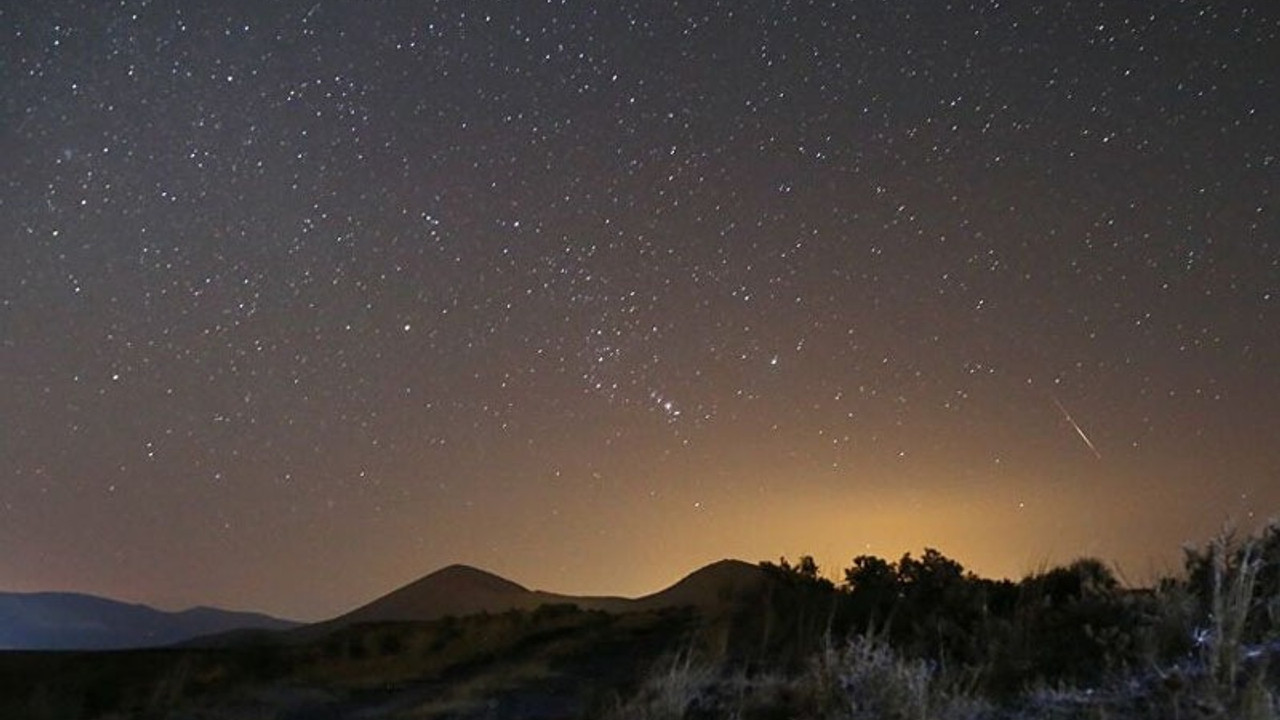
{"x":458,"y":643}
{"x":71,"y":621}
{"x":75,"y":621}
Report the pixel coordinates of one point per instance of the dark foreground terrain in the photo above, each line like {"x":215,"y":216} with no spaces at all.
{"x":918,"y":638}
{"x":553,"y":662}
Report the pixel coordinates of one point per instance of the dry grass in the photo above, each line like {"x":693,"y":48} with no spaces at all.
{"x":683,"y":684}
{"x":863,"y":679}
{"x":1235,"y":673}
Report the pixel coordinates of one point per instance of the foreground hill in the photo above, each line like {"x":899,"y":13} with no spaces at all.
{"x":75,"y":621}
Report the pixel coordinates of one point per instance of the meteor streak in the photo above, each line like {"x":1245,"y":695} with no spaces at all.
{"x":1076,"y":425}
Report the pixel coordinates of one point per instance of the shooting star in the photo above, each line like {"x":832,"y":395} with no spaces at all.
{"x":1076,"y":425}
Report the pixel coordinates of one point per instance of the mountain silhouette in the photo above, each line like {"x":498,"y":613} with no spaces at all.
{"x":76,"y":621}
{"x":454,"y":590}
{"x":715,"y":586}
{"x":460,"y":590}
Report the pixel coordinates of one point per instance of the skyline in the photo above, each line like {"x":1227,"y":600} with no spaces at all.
{"x":302,"y":302}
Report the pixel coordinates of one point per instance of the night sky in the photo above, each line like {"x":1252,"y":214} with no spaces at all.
{"x":302,"y":301}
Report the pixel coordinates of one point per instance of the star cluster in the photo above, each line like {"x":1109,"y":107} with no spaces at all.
{"x":300,"y":301}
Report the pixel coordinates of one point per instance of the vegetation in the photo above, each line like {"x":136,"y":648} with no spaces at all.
{"x":923,"y":638}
